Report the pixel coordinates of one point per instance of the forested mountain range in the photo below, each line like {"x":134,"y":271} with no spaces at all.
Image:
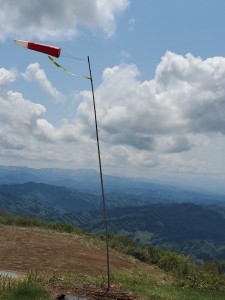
{"x":187,"y":228}
{"x":39,"y":199}
{"x":119,"y":188}
{"x":186,"y":221}
{"x":44,"y":200}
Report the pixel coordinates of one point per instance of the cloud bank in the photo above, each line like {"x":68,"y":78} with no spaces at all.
{"x":185,"y":99}
{"x":54,"y":19}
{"x":147,"y":123}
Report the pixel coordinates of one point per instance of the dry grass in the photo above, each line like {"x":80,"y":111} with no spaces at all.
{"x":70,"y":263}
{"x":23,"y":249}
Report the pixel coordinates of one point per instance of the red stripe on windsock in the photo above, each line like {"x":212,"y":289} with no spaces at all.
{"x":50,"y":50}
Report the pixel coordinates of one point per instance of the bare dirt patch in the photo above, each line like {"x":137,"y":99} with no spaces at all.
{"x":24,"y":249}
{"x":96,"y":292}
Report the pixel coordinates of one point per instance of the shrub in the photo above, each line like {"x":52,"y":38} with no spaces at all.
{"x":187,"y":273}
{"x":32,"y":222}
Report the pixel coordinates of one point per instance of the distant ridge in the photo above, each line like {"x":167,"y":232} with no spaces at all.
{"x":88,"y":181}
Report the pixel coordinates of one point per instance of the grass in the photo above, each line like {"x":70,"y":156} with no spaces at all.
{"x":33,"y":222}
{"x":142,"y":284}
{"x":29,"y":288}
{"x":143,"y":281}
{"x":186,"y":273}
{"x":173,"y":277}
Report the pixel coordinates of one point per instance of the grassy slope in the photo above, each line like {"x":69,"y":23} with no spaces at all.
{"x":143,"y":279}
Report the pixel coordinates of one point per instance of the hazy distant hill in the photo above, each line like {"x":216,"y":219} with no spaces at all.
{"x":118,"y":189}
{"x":150,"y":213}
{"x":43,"y":200}
{"x":188,"y":228}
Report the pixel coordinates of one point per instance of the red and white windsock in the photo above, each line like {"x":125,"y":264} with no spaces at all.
{"x":50,"y":50}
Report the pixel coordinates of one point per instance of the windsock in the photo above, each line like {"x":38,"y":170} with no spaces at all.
{"x":50,"y":50}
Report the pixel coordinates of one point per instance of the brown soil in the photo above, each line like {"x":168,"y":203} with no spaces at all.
{"x":45,"y":251}
{"x":96,"y":293}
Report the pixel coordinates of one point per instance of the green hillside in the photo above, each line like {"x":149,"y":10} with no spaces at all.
{"x":154,"y":273}
{"x":44,"y":200}
{"x":186,"y":228}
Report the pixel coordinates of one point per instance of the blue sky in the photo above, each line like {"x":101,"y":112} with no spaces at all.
{"x":159,"y":77}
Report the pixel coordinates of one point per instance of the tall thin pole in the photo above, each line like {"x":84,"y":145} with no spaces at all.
{"x":101,"y":177}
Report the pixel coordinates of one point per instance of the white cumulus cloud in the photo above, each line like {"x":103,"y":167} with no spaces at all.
{"x":154,"y":124}
{"x":53,"y":19}
{"x":36,"y":74}
{"x":186,"y":98}
{"x":23,"y":124}
{"x":6,"y":76}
